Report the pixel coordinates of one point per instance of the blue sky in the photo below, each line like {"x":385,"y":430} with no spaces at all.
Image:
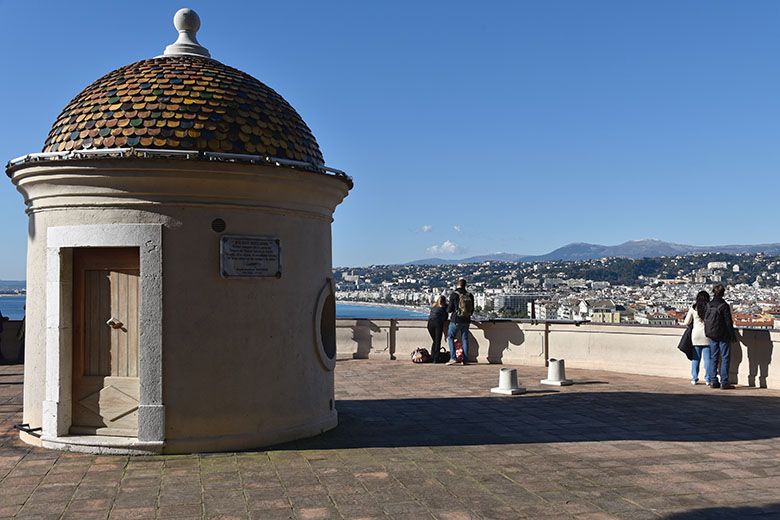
{"x":469,"y":128}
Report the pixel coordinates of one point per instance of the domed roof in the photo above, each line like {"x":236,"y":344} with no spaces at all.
{"x":183,"y":102}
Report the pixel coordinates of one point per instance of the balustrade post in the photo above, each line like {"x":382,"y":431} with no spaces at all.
{"x":391,"y":343}
{"x":546,"y":344}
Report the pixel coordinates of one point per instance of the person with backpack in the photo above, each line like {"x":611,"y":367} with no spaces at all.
{"x":701,"y":344}
{"x":719,"y":328}
{"x":460,"y":307}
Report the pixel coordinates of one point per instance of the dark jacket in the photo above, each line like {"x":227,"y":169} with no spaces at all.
{"x":721,"y":307}
{"x":452,"y":306}
{"x":438,"y":316}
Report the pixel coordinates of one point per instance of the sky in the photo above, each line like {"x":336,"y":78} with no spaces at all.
{"x":469,"y":128}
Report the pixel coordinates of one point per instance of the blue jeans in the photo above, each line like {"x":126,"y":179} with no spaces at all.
{"x":455,"y":330}
{"x":722,"y":348}
{"x":701,"y":352}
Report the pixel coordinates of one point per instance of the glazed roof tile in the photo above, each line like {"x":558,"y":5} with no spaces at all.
{"x":183,"y":103}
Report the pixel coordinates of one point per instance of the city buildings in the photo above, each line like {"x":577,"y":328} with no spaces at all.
{"x":655,"y":291}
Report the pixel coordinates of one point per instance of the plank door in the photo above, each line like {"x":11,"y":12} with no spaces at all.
{"x":106,"y":385}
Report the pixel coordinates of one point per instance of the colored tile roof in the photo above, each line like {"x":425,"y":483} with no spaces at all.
{"x":183,"y":103}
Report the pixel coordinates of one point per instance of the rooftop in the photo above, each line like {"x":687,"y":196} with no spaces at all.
{"x":182,"y":103}
{"x":432,"y":442}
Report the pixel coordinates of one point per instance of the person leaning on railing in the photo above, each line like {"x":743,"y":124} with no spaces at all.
{"x":460,"y":307}
{"x":701,"y":344}
{"x":436,"y":321}
{"x":719,"y":328}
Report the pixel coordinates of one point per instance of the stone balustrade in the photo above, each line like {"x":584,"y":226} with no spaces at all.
{"x":634,"y":349}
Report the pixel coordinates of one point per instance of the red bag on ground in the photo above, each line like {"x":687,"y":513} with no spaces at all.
{"x":458,"y":351}
{"x":421,"y":355}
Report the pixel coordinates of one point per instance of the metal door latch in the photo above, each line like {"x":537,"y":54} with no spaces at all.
{"x":114,"y":323}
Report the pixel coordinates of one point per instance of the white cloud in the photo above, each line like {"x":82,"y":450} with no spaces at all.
{"x":456,"y":228}
{"x":426,"y":228}
{"x":447,"y":248}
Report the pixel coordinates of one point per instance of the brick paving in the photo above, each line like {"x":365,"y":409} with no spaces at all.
{"x":431,"y":442}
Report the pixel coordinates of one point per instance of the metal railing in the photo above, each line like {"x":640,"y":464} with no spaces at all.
{"x":175,"y":154}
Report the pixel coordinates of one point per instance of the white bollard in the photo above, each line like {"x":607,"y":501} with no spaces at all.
{"x":507,"y":383}
{"x":556,"y":374}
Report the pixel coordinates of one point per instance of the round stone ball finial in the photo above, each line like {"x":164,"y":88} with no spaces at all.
{"x":187,"y":22}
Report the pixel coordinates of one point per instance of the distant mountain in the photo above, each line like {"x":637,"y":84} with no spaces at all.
{"x":495,"y":257}
{"x":433,"y":261}
{"x":574,"y":251}
{"x":653,"y":248}
{"x":648,"y":248}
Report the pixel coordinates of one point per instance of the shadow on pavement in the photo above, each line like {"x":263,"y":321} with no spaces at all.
{"x":766,"y":511}
{"x":550,"y":417}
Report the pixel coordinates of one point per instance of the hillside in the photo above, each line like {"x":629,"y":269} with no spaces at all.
{"x":648,"y":248}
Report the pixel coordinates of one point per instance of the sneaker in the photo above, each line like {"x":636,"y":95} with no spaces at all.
{"x":694,"y":382}
{"x":727,"y":386}
{"x":451,"y":362}
{"x":715,"y":384}
{"x":465,"y":362}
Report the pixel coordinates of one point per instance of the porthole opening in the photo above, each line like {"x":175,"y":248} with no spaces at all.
{"x":328,"y":326}
{"x":325,"y":326}
{"x":218,"y":225}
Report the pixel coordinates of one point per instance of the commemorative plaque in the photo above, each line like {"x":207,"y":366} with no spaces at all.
{"x":244,"y":256}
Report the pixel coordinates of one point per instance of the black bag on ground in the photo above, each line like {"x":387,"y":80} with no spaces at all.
{"x":442,"y":356}
{"x":686,"y":345}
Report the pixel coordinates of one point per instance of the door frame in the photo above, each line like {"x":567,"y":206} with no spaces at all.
{"x":58,"y":405}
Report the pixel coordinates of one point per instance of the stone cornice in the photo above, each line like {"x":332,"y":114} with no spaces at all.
{"x":174,"y":182}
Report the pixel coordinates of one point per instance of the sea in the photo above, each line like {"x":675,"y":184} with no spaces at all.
{"x":376,"y":312}
{"x":12,"y":308}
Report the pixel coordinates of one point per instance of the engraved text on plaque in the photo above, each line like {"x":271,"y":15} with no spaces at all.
{"x":244,"y":256}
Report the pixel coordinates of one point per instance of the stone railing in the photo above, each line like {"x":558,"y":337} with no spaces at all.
{"x":634,"y":349}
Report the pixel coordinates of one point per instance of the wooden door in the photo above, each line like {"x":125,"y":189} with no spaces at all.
{"x":106,"y":385}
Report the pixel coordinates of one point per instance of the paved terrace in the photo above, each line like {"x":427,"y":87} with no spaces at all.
{"x":431,"y":442}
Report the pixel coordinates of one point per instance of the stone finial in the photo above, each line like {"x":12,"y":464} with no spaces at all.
{"x":187,"y":22}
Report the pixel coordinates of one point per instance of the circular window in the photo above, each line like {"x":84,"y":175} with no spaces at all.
{"x":325,"y":325}
{"x":218,"y":225}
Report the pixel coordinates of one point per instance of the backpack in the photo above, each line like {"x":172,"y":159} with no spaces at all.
{"x":465,"y":305}
{"x":714,"y":322}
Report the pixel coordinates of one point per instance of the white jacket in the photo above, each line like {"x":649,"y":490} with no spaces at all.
{"x":698,"y":337}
